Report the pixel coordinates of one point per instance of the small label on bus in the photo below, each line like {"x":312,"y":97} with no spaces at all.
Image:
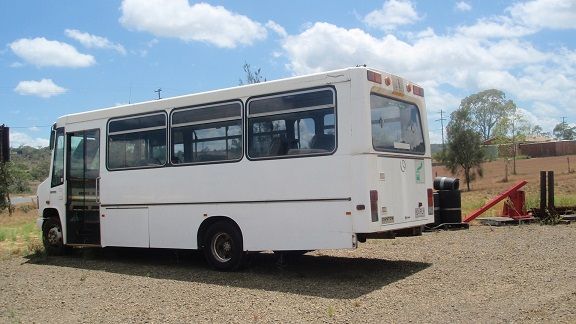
{"x":420,"y":212}
{"x":419,"y":167}
{"x":401,"y":146}
{"x":388,"y":220}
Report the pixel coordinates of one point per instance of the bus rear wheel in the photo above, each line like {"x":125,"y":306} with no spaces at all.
{"x":223,"y":247}
{"x":52,"y":237}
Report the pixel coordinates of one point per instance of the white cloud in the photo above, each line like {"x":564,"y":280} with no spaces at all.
{"x":325,"y":46}
{"x":463,"y":6}
{"x":42,"y":52}
{"x":553,"y":14}
{"x":525,"y":18}
{"x":18,"y":139}
{"x":44,"y":88}
{"x":394,"y":13}
{"x":276,"y":28}
{"x":198,"y":22}
{"x":93,"y":41}
{"x":496,"y":27}
{"x":543,"y":82}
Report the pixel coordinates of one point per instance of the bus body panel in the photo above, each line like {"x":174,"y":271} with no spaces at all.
{"x":264,"y":226}
{"x":402,"y":185}
{"x":125,"y":226}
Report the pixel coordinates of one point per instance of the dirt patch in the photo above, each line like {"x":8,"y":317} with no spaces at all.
{"x":485,"y":188}
{"x":526,"y":169}
{"x":522,"y":274}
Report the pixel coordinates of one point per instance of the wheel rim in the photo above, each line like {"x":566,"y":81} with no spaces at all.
{"x":54,"y":236}
{"x":221,"y":247}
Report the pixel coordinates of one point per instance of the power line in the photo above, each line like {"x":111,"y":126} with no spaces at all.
{"x":441,"y":120}
{"x":38,"y":126}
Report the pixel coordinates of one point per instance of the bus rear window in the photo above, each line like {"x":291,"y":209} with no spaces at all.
{"x":396,"y":126}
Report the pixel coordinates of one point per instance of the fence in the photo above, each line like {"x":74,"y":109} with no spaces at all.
{"x":542,"y":149}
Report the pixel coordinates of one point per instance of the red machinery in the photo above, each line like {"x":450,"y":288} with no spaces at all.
{"x":514,"y":207}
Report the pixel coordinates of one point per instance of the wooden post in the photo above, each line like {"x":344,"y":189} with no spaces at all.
{"x":542,"y":193}
{"x":551,"y":190}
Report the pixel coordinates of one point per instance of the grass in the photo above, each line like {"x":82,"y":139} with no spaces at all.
{"x":471,"y":202}
{"x":18,"y":233}
{"x":487,"y":187}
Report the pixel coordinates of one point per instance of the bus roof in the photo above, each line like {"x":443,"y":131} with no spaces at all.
{"x":219,"y":95}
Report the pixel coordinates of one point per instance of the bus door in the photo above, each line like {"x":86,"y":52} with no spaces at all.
{"x":83,"y":197}
{"x":397,"y":131}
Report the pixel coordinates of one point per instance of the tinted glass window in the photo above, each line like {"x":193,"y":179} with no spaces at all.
{"x":131,"y":147}
{"x":207,"y":134}
{"x":58,"y":162}
{"x":396,"y":126}
{"x":292,"y":125}
{"x":292,"y":101}
{"x":137,"y":123}
{"x":207,"y":142}
{"x":195,"y":115}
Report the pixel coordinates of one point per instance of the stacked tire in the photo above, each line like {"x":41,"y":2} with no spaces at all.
{"x":447,"y":201}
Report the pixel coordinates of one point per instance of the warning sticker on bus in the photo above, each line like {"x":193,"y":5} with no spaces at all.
{"x":419,"y":167}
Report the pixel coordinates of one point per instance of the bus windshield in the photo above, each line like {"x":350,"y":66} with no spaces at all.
{"x":396,"y":126}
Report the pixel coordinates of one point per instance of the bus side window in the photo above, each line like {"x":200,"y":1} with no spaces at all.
{"x":300,"y":123}
{"x":58,"y":162}
{"x":137,"y":142}
{"x":211,"y":133}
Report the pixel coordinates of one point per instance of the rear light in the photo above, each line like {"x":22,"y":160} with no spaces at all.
{"x":374,"y":205}
{"x":418,"y":91}
{"x":374,"y":77}
{"x":430,"y":201}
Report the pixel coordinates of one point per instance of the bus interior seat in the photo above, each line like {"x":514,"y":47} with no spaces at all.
{"x":322,"y":142}
{"x":279,"y":146}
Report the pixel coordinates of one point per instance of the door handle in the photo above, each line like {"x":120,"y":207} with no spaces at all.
{"x":98,"y":190}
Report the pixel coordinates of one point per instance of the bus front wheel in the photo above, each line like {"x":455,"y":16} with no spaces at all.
{"x":223,"y":247}
{"x":52,"y":237}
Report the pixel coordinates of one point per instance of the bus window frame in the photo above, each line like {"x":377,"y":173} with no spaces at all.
{"x":400,"y":151}
{"x":249,"y":133}
{"x":166,"y":134}
{"x":208,"y":122}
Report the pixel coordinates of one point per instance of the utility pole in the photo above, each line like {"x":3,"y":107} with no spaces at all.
{"x":564,"y":126}
{"x":4,"y":176}
{"x":441,"y":120}
{"x":158,"y":92}
{"x":514,"y":141}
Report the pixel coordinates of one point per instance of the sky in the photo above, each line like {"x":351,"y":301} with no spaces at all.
{"x":66,"y":56}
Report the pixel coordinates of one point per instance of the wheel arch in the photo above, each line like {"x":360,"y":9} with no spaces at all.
{"x":54,"y":213}
{"x":212,"y":220}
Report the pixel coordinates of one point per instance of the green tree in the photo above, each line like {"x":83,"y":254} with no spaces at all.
{"x":20,"y":177}
{"x":487,"y":111}
{"x":5,"y":182}
{"x":252,"y":76}
{"x":463,"y":152}
{"x":514,"y":127}
{"x":564,"y":131}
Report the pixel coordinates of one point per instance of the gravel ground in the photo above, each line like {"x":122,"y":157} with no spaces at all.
{"x":486,"y":274}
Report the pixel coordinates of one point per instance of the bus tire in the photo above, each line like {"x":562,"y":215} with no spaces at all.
{"x":52,"y":237}
{"x":223,"y":248}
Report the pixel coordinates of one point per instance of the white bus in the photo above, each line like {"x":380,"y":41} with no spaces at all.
{"x":322,"y":161}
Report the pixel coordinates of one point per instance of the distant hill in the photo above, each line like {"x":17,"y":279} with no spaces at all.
{"x":28,"y":165}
